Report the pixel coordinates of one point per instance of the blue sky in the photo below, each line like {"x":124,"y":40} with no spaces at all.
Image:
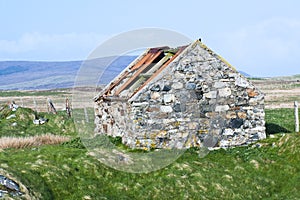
{"x":259,"y":37}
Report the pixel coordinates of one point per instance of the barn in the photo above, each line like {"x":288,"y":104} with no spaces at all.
{"x":178,"y":98}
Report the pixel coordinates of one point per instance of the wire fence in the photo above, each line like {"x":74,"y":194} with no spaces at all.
{"x":36,"y":103}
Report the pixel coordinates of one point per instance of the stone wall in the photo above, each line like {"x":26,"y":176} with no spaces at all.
{"x":198,"y":95}
{"x":111,"y":117}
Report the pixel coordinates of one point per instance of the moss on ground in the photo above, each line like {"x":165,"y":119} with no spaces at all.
{"x":20,"y":123}
{"x":267,"y":170}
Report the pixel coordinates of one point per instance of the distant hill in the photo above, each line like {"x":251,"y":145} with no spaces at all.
{"x":31,"y":75}
{"x":37,"y":75}
{"x":245,"y":74}
{"x":287,"y":78}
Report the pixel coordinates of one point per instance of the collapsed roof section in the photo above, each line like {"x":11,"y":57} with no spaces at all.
{"x":140,"y":72}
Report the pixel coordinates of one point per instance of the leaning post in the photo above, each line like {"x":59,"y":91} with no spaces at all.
{"x":68,"y":109}
{"x":51,"y":106}
{"x":296,"y":117}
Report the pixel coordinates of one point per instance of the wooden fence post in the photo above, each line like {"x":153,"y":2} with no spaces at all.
{"x":296,"y":117}
{"x":68,"y":109}
{"x":86,"y":115}
{"x":34,"y":104}
{"x":51,"y":106}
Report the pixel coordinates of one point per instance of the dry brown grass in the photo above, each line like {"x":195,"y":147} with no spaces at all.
{"x":23,"y":142}
{"x":279,"y":93}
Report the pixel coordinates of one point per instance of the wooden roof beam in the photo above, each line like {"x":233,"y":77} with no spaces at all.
{"x":140,"y":70}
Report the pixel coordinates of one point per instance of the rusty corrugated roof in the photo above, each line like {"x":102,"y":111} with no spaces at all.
{"x":140,"y":73}
{"x":169,"y":59}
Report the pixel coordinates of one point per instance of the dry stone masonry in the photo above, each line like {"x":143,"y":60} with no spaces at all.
{"x":180,"y":101}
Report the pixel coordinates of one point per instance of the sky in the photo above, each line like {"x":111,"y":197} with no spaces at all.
{"x":259,"y":37}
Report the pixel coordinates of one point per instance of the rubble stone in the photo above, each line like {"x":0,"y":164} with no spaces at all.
{"x":228,"y":132}
{"x":224,"y":92}
{"x":155,"y":95}
{"x":220,"y":84}
{"x":222,"y":108}
{"x":166,"y":109}
{"x":211,"y":95}
{"x":177,"y":85}
{"x":168,"y":98}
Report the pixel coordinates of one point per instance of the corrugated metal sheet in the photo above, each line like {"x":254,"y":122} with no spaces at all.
{"x":142,"y":72}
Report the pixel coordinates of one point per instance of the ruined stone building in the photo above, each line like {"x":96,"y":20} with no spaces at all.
{"x":176,"y":97}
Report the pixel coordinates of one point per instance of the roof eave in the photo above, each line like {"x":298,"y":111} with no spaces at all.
{"x":108,"y":86}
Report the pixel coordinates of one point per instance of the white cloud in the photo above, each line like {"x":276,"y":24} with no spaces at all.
{"x":271,"y":47}
{"x":38,"y":46}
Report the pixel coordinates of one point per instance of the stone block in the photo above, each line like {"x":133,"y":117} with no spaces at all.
{"x":192,"y":125}
{"x":155,"y":88}
{"x":241,"y":82}
{"x":190,"y":86}
{"x":236,"y":123}
{"x":210,"y":114}
{"x":179,"y":75}
{"x":235,"y":108}
{"x":224,"y":92}
{"x":242,"y":115}
{"x":231,"y":115}
{"x":166,"y":109}
{"x":186,"y":61}
{"x":220,"y":84}
{"x":232,"y":75}
{"x":210,"y":140}
{"x":177,"y":85}
{"x":247,"y":124}
{"x":179,"y":108}
{"x":184,"y":134}
{"x":155,"y":95}
{"x":152,"y":109}
{"x":166,"y":88}
{"x":251,"y":93}
{"x":168,"y":98}
{"x":228,"y":132}
{"x":140,"y":104}
{"x":222,"y":108}
{"x":224,"y":143}
{"x":261,"y":135}
{"x":253,"y":101}
{"x":210,"y":95}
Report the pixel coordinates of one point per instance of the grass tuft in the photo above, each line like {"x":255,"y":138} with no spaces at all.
{"x":32,"y":141}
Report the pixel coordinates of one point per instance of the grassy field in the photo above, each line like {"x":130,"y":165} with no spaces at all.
{"x":280,"y":92}
{"x":63,"y":172}
{"x":15,"y":93}
{"x":20,"y":123}
{"x":269,"y":169}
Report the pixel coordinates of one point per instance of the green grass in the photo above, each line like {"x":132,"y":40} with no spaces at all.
{"x":22,"y":123}
{"x":66,"y":171}
{"x":61,"y":172}
{"x":296,"y":85}
{"x":279,"y":120}
{"x":15,"y":93}
{"x":255,"y":78}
